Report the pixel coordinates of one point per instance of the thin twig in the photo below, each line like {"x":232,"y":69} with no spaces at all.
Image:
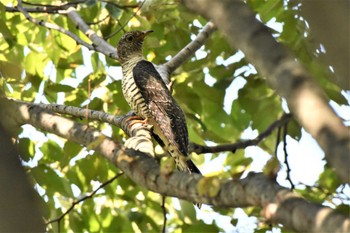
{"x":199,"y":149}
{"x":74,"y":203}
{"x":98,"y":21}
{"x":122,"y":27}
{"x":164,"y":214}
{"x":285,"y":130}
{"x":124,"y":7}
{"x":278,"y":139}
{"x":48,"y":5}
{"x":44,"y":8}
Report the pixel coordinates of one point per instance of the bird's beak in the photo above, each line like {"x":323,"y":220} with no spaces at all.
{"x":145,"y":33}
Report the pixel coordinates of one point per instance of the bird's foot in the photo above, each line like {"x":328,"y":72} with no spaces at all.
{"x":134,"y":120}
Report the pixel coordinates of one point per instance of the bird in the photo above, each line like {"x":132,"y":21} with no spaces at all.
{"x":148,"y":96}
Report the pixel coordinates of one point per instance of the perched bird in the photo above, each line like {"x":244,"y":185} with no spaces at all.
{"x":148,"y":96}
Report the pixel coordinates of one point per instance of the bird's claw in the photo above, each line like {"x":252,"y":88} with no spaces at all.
{"x":130,"y":121}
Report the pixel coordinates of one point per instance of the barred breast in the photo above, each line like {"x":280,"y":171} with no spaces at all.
{"x":133,"y":95}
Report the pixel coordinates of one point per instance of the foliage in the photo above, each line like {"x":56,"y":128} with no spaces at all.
{"x":41,"y":65}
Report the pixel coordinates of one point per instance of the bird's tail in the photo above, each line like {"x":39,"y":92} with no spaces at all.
{"x":192,"y":168}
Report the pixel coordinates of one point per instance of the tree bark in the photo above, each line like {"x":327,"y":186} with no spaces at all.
{"x":19,"y":203}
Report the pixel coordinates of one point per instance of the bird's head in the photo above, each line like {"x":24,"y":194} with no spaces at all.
{"x":131,"y":44}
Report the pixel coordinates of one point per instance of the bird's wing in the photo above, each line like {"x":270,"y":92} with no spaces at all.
{"x":165,"y":111}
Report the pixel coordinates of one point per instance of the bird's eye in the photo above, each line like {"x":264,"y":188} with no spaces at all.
{"x":129,"y":38}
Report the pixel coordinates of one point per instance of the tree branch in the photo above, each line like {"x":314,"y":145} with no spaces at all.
{"x":165,"y":70}
{"x":54,"y":9}
{"x":87,"y":196}
{"x":199,"y":149}
{"x":40,"y":8}
{"x":100,"y":45}
{"x":164,"y":214}
{"x":191,"y":48}
{"x":124,"y":7}
{"x":280,"y":205}
{"x":285,"y":131}
{"x":52,"y":26}
{"x":121,"y":122}
{"x":285,"y":74}
{"x":20,"y":206}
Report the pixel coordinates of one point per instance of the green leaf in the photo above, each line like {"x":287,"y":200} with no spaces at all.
{"x":76,"y":221}
{"x":26,"y":148}
{"x":270,"y":9}
{"x":188,"y":211}
{"x":190,"y":100}
{"x":234,"y":221}
{"x":35,"y":63}
{"x":48,"y":179}
{"x":238,"y":163}
{"x":294,"y":129}
{"x":240,"y":117}
{"x":76,"y":176}
{"x":70,"y":150}
{"x":144,"y":222}
{"x":329,"y":180}
{"x":93,"y":167}
{"x":256,"y":98}
{"x":115,"y":225}
{"x":113,"y":10}
{"x":10,"y":70}
{"x":4,"y":30}
{"x":52,"y":152}
{"x":55,"y":87}
{"x":119,"y":103}
{"x":312,"y":194}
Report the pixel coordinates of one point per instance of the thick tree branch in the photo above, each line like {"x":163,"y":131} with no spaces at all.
{"x":19,"y":203}
{"x":285,"y":74}
{"x":279,"y":204}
